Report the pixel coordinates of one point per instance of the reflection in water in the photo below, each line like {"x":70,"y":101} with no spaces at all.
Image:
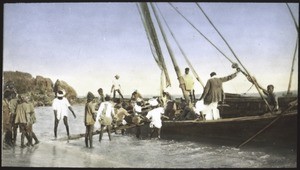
{"x":53,"y":156}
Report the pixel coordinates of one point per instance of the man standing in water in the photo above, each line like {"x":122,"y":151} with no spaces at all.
{"x":6,"y":120}
{"x":23,"y":111}
{"x":155,"y":116}
{"x":89,"y":119}
{"x":60,"y":107}
{"x":105,"y":115}
{"x":116,"y":87}
{"x":213,"y":93}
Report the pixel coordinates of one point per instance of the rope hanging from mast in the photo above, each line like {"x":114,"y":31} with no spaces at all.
{"x":247,"y":72}
{"x":181,"y":50}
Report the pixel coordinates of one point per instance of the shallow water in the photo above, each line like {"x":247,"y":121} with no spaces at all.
{"x":125,"y":151}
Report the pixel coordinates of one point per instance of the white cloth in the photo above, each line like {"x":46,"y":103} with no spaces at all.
{"x":97,"y":125}
{"x":153,"y":102}
{"x":200,"y":107}
{"x":109,"y":110}
{"x":155,"y":117}
{"x":116,"y":84}
{"x":61,"y":106}
{"x":211,"y":112}
{"x":124,"y":122}
{"x":137,"y":108}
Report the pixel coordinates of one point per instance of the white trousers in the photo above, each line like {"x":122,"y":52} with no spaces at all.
{"x":212,"y":112}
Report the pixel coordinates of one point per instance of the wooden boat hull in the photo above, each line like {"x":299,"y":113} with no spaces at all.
{"x":233,"y":131}
{"x":242,"y":117}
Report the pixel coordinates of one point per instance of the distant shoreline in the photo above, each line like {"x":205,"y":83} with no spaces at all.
{"x":175,"y":96}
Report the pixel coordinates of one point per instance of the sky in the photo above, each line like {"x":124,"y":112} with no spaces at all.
{"x":87,"y":44}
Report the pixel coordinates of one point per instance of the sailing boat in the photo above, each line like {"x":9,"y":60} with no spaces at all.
{"x":243,"y":119}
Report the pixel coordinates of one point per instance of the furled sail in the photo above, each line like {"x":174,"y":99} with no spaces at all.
{"x":153,"y":40}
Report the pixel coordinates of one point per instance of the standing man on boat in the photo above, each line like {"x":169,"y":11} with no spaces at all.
{"x":60,"y":107}
{"x":213,"y":93}
{"x":189,"y":84}
{"x":116,"y":87}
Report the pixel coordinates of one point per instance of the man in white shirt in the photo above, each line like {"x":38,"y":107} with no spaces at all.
{"x":154,"y":116}
{"x":189,"y":84}
{"x":105,"y":115}
{"x":60,"y":107}
{"x":116,"y":87}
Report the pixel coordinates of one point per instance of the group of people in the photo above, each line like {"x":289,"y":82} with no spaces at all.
{"x":105,"y":113}
{"x":116,"y":113}
{"x":213,"y":93}
{"x":17,"y":113}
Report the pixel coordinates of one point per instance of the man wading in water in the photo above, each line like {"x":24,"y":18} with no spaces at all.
{"x":60,"y":107}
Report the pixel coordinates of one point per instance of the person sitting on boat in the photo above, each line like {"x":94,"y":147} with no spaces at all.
{"x":166,"y":97}
{"x":213,"y":93}
{"x":189,"y":84}
{"x":170,"y":105}
{"x":186,"y":113}
{"x":137,"y":97}
{"x":269,"y":92}
{"x":155,"y":116}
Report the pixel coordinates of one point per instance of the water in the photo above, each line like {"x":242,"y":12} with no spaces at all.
{"x":128,"y":152}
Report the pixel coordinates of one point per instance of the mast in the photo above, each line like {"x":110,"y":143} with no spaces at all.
{"x":293,"y":62}
{"x":292,"y":70}
{"x":177,"y":69}
{"x":153,"y":41}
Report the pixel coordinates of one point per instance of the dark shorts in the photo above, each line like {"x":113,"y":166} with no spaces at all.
{"x":23,"y":127}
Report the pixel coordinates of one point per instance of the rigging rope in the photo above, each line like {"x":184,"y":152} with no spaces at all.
{"x":183,"y":53}
{"x":247,"y":72}
{"x":201,"y":33}
{"x":297,"y":28}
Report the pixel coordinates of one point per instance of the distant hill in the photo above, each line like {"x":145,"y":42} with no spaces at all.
{"x":39,"y":89}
